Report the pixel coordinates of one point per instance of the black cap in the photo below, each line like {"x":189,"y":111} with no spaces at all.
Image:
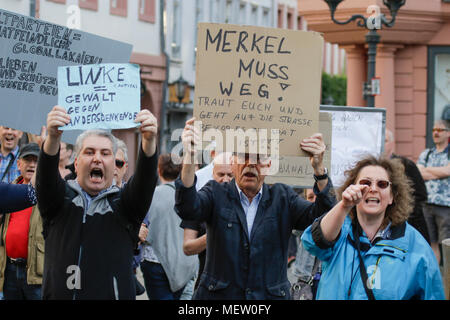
{"x":29,"y":149}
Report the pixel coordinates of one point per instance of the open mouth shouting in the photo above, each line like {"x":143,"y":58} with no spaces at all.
{"x":96,"y":175}
{"x":372,"y":200}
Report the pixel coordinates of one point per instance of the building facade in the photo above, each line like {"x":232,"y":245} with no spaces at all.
{"x":413,"y":63}
{"x":133,"y":22}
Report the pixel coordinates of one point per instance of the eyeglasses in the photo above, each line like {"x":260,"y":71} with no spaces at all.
{"x":439,"y":130}
{"x":382,"y":184}
{"x":253,"y":158}
{"x":120,"y":164}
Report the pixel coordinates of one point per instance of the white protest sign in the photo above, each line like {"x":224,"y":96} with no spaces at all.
{"x":357,"y":132}
{"x":102,"y":96}
{"x":30,"y":52}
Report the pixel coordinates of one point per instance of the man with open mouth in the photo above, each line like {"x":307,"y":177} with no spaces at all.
{"x":90,"y":225}
{"x":248,"y":222}
{"x":9,"y":151}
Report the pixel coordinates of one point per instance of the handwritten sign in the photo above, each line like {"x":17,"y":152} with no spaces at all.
{"x":258,"y":78}
{"x":297,"y":171}
{"x":30,"y":52}
{"x":357,"y":132}
{"x":103,"y":96}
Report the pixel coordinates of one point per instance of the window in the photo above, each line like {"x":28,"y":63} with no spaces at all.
{"x":147,"y":10}
{"x":254,"y":16}
{"x":229,"y":11}
{"x":176,"y":30}
{"x":290,"y":19}
{"x":242,"y":13}
{"x":438,"y":97}
{"x":88,"y":4}
{"x":266,"y":17}
{"x":118,"y":7}
{"x":280,"y":16}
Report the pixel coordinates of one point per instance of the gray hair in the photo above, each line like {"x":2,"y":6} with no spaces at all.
{"x":122,"y":146}
{"x":99,"y":133}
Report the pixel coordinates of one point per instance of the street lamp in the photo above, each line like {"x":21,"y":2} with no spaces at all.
{"x":372,"y":37}
{"x":180,"y":88}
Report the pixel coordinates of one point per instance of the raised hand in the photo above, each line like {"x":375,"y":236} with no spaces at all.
{"x":149,"y":131}
{"x":353,"y":195}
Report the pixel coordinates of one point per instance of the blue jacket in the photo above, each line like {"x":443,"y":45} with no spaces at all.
{"x":400,"y":266}
{"x":16,"y":197}
{"x":239,"y":265}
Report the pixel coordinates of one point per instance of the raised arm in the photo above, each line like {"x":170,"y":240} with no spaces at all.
{"x":332,"y":222}
{"x":188,"y":137}
{"x":315,"y":146}
{"x":137,"y":194}
{"x":49,"y":184}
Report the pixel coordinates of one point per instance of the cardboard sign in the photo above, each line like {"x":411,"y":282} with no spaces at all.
{"x":102,"y":96}
{"x":251,"y":78}
{"x":297,"y":171}
{"x":357,"y":132}
{"x":30,"y":52}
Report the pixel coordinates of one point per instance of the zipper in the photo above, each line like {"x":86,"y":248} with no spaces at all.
{"x":81,"y":247}
{"x":116,"y":288}
{"x":388,"y":245}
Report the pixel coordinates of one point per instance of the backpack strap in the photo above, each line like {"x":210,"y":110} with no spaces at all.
{"x":428,"y":156}
{"x":11,"y":161}
{"x":362,"y":267}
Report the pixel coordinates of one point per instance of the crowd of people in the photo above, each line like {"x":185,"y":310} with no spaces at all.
{"x":72,"y":227}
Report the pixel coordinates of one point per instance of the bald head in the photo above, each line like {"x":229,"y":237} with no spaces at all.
{"x":389,"y":143}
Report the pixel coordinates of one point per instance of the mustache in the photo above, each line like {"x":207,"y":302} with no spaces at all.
{"x":250,"y":170}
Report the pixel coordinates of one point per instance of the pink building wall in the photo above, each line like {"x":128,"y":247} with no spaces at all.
{"x":402,"y":60}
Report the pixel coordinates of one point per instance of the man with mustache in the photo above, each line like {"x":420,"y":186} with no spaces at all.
{"x":248,"y":223}
{"x":434,"y":165}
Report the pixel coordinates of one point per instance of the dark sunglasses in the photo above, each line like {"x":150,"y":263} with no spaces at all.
{"x":439,"y":130}
{"x":120,"y":164}
{"x":382,"y":184}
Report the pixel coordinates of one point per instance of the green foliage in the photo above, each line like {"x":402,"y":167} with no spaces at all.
{"x":334,"y":87}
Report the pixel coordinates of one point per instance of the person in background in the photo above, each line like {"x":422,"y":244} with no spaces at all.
{"x":9,"y":151}
{"x":165,"y":267}
{"x":306,"y":268}
{"x":21,"y":240}
{"x":194,"y":241}
{"x":434,"y":166}
{"x":416,"y":218}
{"x":367,"y":248}
{"x":65,"y":155}
{"x":121,"y":163}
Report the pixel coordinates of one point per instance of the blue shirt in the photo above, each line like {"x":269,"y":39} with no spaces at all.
{"x":13,"y":171}
{"x":249,"y":208}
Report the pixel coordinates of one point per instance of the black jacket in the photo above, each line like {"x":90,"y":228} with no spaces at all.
{"x":239,"y":265}
{"x":98,"y":242}
{"x":416,"y":218}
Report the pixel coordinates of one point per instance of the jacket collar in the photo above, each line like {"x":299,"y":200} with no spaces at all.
{"x":93,"y":205}
{"x":233,"y":194}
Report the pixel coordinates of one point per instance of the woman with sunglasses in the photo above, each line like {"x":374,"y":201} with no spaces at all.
{"x":367,"y":248}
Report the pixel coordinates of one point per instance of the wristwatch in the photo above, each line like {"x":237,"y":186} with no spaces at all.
{"x":321,"y":177}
